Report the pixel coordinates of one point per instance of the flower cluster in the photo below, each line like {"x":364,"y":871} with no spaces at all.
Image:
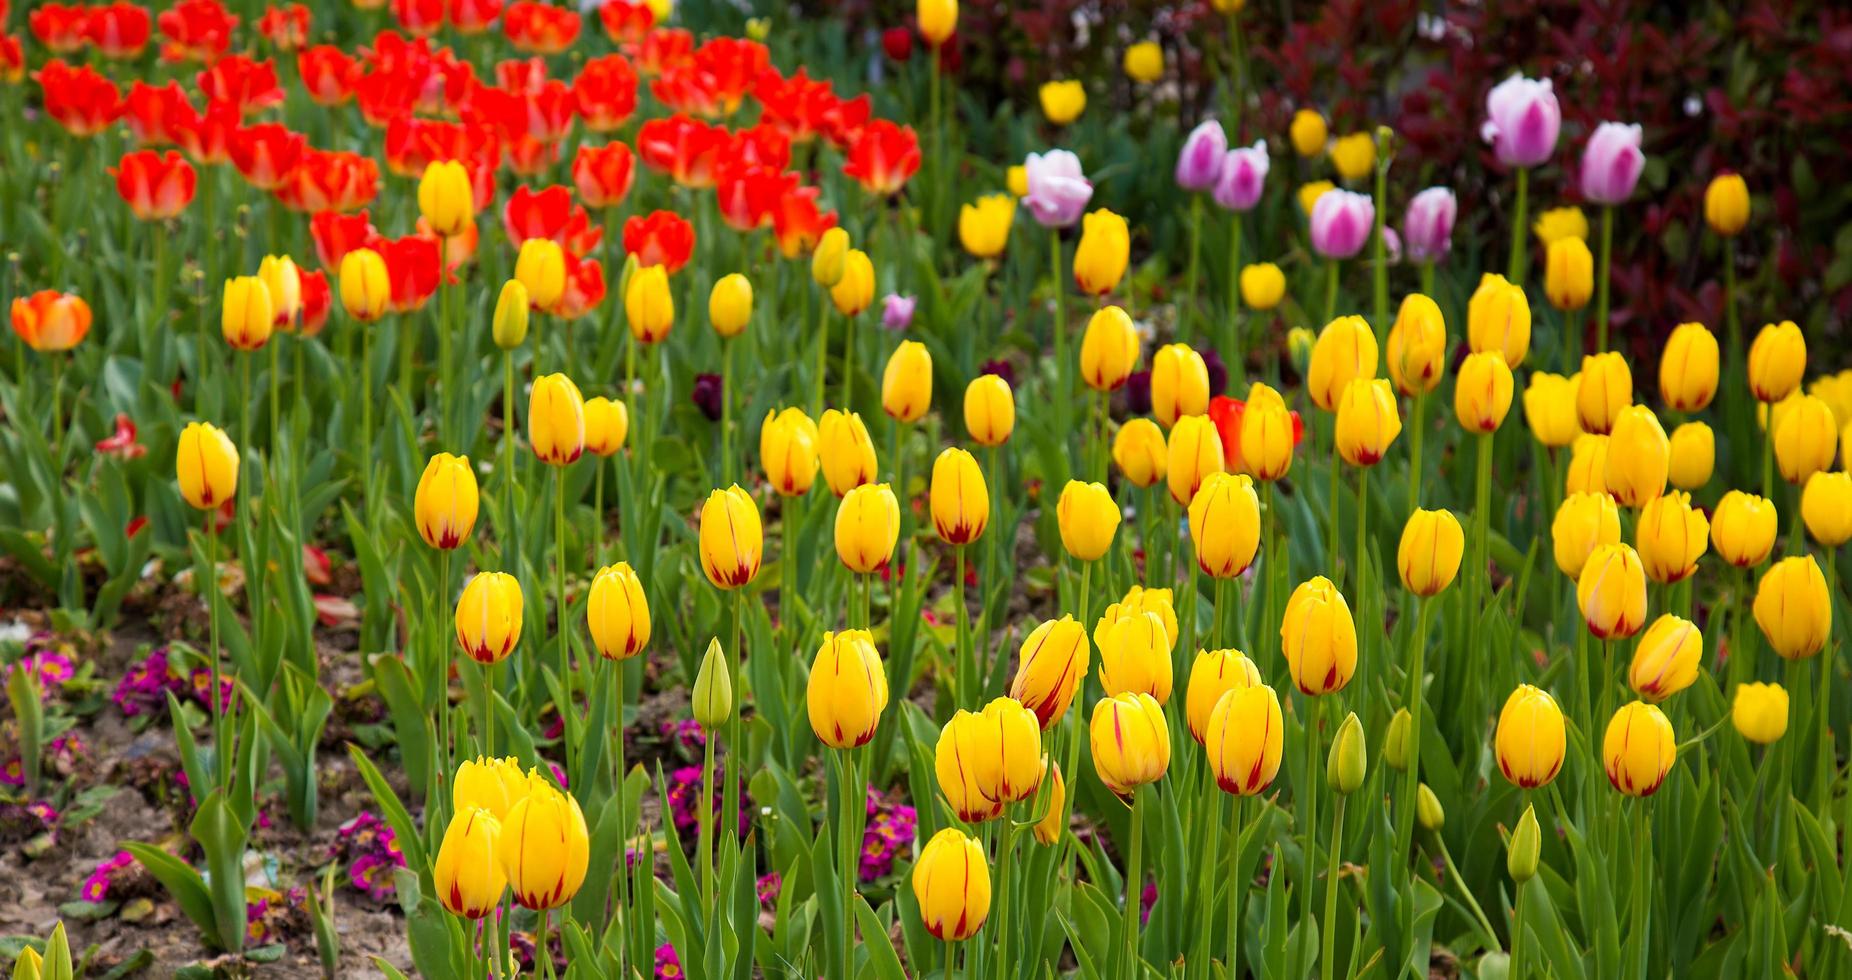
{"x":889,"y":834}
{"x":273,"y":914}
{"x":668,"y":965}
{"x":685,"y":795}
{"x":50,"y":660}
{"x":372,"y":853}
{"x":685,"y":735}
{"x":110,"y":871}
{"x":144,"y":689}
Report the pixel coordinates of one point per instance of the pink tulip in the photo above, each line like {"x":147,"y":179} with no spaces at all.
{"x":1244,"y":173}
{"x":1428,"y":229}
{"x":1341,"y":223}
{"x":1058,"y":191}
{"x":1612,"y":163}
{"x":1522,"y":121}
{"x":1201,"y":160}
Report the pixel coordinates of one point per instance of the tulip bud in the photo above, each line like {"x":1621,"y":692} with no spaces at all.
{"x":283,"y":281}
{"x":1353,"y":156}
{"x":1588,"y":466}
{"x":1395,"y":741}
{"x":788,"y":451}
{"x":847,"y":453}
{"x":1639,"y":457}
{"x":1482,"y":392}
{"x":467,"y":873}
{"x":1194,"y":454}
{"x":1345,"y":350}
{"x":711,"y":702}
{"x":1583,"y":523}
{"x":987,"y":760}
{"x":445,"y":198}
{"x":649,"y":305}
{"x":1268,"y":434}
{"x":1726,"y":204}
{"x":1498,"y":319}
{"x":1428,"y":556}
{"x":867,"y":527}
{"x":990,"y":410}
{"x":1760,"y":712}
{"x":1299,"y":344}
{"x":1826,"y":508}
{"x":1049,"y":669}
{"x":960,"y":501}
{"x":1179,"y":383}
{"x":1665,"y":661}
{"x":1524,"y":851}
{"x":1319,"y":638}
{"x":1349,"y":759}
{"x":509,"y":326}
{"x":556,"y":420}
{"x":541,"y":267}
{"x":1568,"y":274}
{"x":1777,"y":360}
{"x":1087,"y":518}
{"x":1530,"y":739}
{"x":1605,"y":387}
{"x":729,"y":305}
{"x":1263,"y":285}
{"x":829,"y":258}
{"x":951,"y":884}
{"x":488,"y":617}
{"x":206,"y":465}
{"x":1638,"y":749}
{"x":1428,"y":811}
{"x":906,"y":383}
{"x":1224,"y":520}
{"x":984,"y":226}
{"x":1308,"y":133}
{"x":1806,"y":439}
{"x":247,"y":314}
{"x":1245,"y":737}
{"x":1215,"y":673}
{"x":1693,"y":453}
{"x":1101,"y":256}
{"x":1688,"y":368}
{"x":1144,"y":62}
{"x":446,"y":501}
{"x":365,"y":286}
{"x":1138,"y":600}
{"x":1794,"y":608}
{"x":1130,"y":741}
{"x":1368,"y":421}
{"x":1135,"y":657}
{"x":855,"y":288}
{"x":847,"y":690}
{"x":1417,"y":345}
{"x":617,"y":612}
{"x":1743,"y":528}
{"x":1612,"y":592}
{"x":1550,"y":408}
{"x":1053,"y":824}
{"x":1140,"y":453}
{"x":493,"y":785}
{"x":732,"y":539}
{"x":544,"y":847}
{"x":1109,"y":349}
{"x":1063,"y":101}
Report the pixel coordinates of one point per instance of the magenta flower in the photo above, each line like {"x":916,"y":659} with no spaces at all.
{"x":1341,"y":223}
{"x":1612,"y":162}
{"x":1201,"y":162}
{"x":1244,"y":175}
{"x":1522,"y":121}
{"x":897,"y":311}
{"x":1428,"y":228}
{"x":1058,"y":190}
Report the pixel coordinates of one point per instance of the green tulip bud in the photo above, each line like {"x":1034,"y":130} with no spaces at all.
{"x":1428,"y":809}
{"x":1395,"y":743}
{"x":509,"y":327}
{"x":1522,"y":851}
{"x":1349,"y":760}
{"x":713,"y":690}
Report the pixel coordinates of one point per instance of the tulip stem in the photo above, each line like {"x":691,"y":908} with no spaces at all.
{"x":1237,"y":887}
{"x":726,"y":411}
{"x":706,"y":841}
{"x":505,"y":532}
{"x":1482,"y":507}
{"x":444,"y":663}
{"x":1331,"y":289}
{"x":1308,"y":836}
{"x":1642,"y":856}
{"x":559,"y":584}
{"x":962,"y":673}
{"x":1363,"y":521}
{"x":848,"y":363}
{"x":1601,"y":284}
{"x":445,"y":398}
{"x":951,"y":953}
{"x":1418,"y":426}
{"x":617,"y":788}
{"x":1196,"y":232}
{"x":1379,"y":274}
{"x":1515,"y":270}
{"x":1331,"y":540}
{"x":488,"y":710}
{"x":598,"y":512}
{"x":276,"y":399}
{"x":1134,"y":882}
{"x":1215,"y":625}
{"x":823,"y":346}
{"x":57,"y":411}
{"x":1405,"y":817}
{"x":848,"y":846}
{"x":366,"y":421}
{"x":736,"y":730}
{"x":1005,"y":846}
{"x":1517,"y":931}
{"x":1062,"y":367}
{"x":1826,"y":761}
{"x":208,"y":589}
{"x":1453,"y":874}
{"x":1328,"y":931}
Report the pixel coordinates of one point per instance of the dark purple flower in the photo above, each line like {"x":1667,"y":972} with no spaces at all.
{"x":707,"y":393}
{"x":1002,"y":369}
{"x":1138,"y":393}
{"x":1218,"y":371}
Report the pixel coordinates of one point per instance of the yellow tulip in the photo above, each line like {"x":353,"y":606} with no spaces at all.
{"x":1417,"y":345}
{"x":1017,"y":180}
{"x":1063,"y":102}
{"x":1743,"y":528}
{"x":1310,"y":192}
{"x":492,"y":785}
{"x":1550,"y":408}
{"x":468,"y":873}
{"x":951,"y":884}
{"x":617,"y":612}
{"x":1224,"y":520}
{"x":445,"y":198}
{"x":984,"y":226}
{"x":1498,"y":319}
{"x":1130,"y":740}
{"x":1193,"y":455}
{"x":1345,"y":351}
{"x":1138,"y":600}
{"x":856,"y":289}
{"x":1826,"y":508}
{"x":1760,"y":712}
{"x":1245,"y":739}
{"x":937,"y":20}
{"x":541,"y":267}
{"x":1726,"y":209}
{"x":1588,"y":466}
{"x":247,"y":316}
{"x":1428,"y":556}
{"x":488,"y":617}
{"x":1109,"y":349}
{"x":729,"y":305}
{"x":1482,"y":392}
{"x":283,"y":281}
{"x":1638,"y":749}
{"x":206,"y":465}
{"x":1559,"y":223}
{"x":1353,"y":156}
{"x":867,"y":527}
{"x":1088,"y":518}
{"x":1049,"y":669}
{"x":960,"y":500}
{"x":732,"y":538}
{"x":1806,"y":439}
{"x":1688,"y":368}
{"x":1605,"y":386}
{"x":1794,"y":608}
{"x":906,"y":383}
{"x":1665,"y":661}
{"x":1584,"y":522}
{"x":847,"y":690}
{"x":649,"y":305}
{"x":509,"y":325}
{"x":1135,"y":657}
{"x":830,"y":260}
{"x":1144,"y":62}
{"x":1179,"y":383}
{"x":607,"y":423}
{"x":1140,"y":453}
{"x":1263,"y":285}
{"x":1053,"y":824}
{"x":990,"y":410}
{"x":1529,"y":740}
{"x":848,"y":454}
{"x":1671,"y":536}
{"x":788,"y":442}
{"x":1693,"y":454}
{"x":1319,"y":638}
{"x":365,"y":286}
{"x":544,"y":848}
{"x":446,"y":501}
{"x":1777,"y":360}
{"x":1611,"y":592}
{"x":1308,"y":133}
{"x":1568,"y":274}
{"x":1101,"y":256}
{"x":1368,"y":421}
{"x":556,"y":420}
{"x":987,"y":760}
{"x":1266,"y":434}
{"x":1215,"y":673}
{"x":1639,"y":457}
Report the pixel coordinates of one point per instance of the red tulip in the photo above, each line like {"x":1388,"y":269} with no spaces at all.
{"x":539,"y":29}
{"x":285,"y":27}
{"x":388,"y":96}
{"x":196,"y":30}
{"x":80,"y":99}
{"x":317,"y":298}
{"x":474,"y":16}
{"x":731,"y":65}
{"x":796,"y":106}
{"x":529,"y":157}
{"x":519,"y":75}
{"x":548,"y":110}
{"x":684,"y":148}
{"x":549,"y":213}
{"x":749,"y":194}
{"x":626,"y":21}
{"x":157,"y":116}
{"x":419,"y":17}
{"x":603,"y":174}
{"x":663,"y":238}
{"x":767,"y":146}
{"x":121,"y":443}
{"x":686,"y":89}
{"x":661,"y":50}
{"x":843,"y":121}
{"x":584,"y":290}
{"x":206,"y":137}
{"x":883,"y":157}
{"x":59,"y":27}
{"x":119,"y":30}
{"x":606,"y":90}
{"x":412,"y":144}
{"x":456,"y":249}
{"x":266,"y":154}
{"x":12,"y":59}
{"x":239,"y":81}
{"x":798,"y":223}
{"x":50,"y":321}
{"x":1227,"y":414}
{"x":337,"y":234}
{"x":156,"y":186}
{"x":328,"y":74}
{"x":412,"y":266}
{"x":898,"y":43}
{"x":330,"y":181}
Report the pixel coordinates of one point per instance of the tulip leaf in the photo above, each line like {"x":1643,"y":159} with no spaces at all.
{"x":405,"y":831}
{"x":184,"y":883}
{"x":875,"y":941}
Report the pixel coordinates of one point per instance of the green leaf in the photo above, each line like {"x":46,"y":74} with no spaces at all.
{"x":183,"y":883}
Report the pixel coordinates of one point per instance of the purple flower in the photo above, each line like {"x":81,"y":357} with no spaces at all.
{"x":668,"y":965}
{"x":897,"y":311}
{"x":1428,"y":228}
{"x":1341,"y":223}
{"x":1058,"y":190}
{"x":1392,"y":246}
{"x":1218,"y":371}
{"x":1001,"y":369}
{"x":1201,"y":160}
{"x":1612,"y":162}
{"x":1244,"y":175}
{"x":1147,"y":899}
{"x":106,"y":873}
{"x":1522,"y":121}
{"x":1138,"y":393}
{"x":767,"y":889}
{"x":686,"y":734}
{"x":708,"y":389}
{"x":890,"y":832}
